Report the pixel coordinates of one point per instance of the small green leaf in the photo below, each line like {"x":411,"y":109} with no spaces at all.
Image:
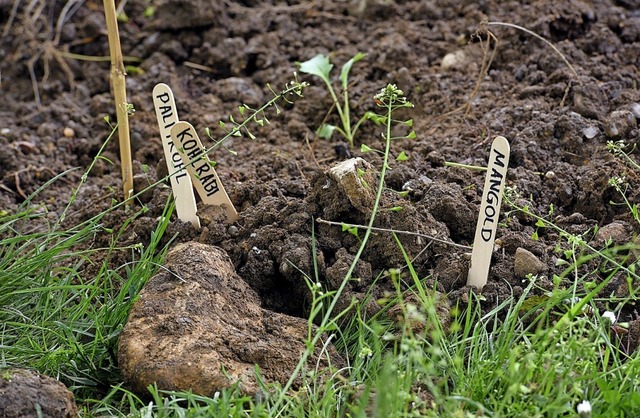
{"x":207,"y":131}
{"x":318,"y":66}
{"x":344,"y":73}
{"x":375,"y":118}
{"x":365,"y":148}
{"x":149,"y":12}
{"x":409,"y":123}
{"x":402,"y":157}
{"x":325,"y":131}
{"x":241,"y":109}
{"x":540,"y":223}
{"x":133,"y":70}
{"x":222,"y":125}
{"x":412,"y":135}
{"x":122,"y":17}
{"x":396,"y":209}
{"x":403,"y":193}
{"x":360,"y":172}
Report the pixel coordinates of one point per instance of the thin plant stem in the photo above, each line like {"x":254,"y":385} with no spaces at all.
{"x":532,"y":33}
{"x":120,"y":94}
{"x":326,"y":319}
{"x":429,"y":237}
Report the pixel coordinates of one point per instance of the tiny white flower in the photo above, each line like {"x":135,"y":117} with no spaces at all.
{"x":584,"y":409}
{"x":610,"y":317}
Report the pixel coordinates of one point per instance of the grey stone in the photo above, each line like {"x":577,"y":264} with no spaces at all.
{"x":619,"y":124}
{"x":617,"y":232}
{"x":527,"y":263}
{"x":355,"y":179}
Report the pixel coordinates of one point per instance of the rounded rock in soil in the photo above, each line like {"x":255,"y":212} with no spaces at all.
{"x":25,"y":393}
{"x":527,"y":263}
{"x":198,"y":326}
{"x":619,"y":124}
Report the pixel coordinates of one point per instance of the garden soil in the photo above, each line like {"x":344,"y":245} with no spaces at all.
{"x":216,"y":55}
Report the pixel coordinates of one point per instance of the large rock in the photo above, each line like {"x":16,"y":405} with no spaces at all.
{"x":198,"y":326}
{"x":26,"y":394}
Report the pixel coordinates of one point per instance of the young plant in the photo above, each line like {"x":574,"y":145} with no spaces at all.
{"x":321,"y":67}
{"x":390,"y":99}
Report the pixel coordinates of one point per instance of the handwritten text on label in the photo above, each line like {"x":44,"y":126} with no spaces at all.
{"x":489,"y":212}
{"x":167,"y":117}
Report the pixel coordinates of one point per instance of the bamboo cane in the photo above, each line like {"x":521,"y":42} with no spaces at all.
{"x":120,"y":94}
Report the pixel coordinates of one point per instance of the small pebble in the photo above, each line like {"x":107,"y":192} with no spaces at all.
{"x":455,"y":59}
{"x":5,"y":131}
{"x":619,"y":124}
{"x":618,"y":232}
{"x":550,"y":175}
{"x":635,"y":109}
{"x":527,"y":263}
{"x":590,"y":132}
{"x":68,"y":132}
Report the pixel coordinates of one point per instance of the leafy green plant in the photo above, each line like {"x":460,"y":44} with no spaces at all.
{"x":321,"y":67}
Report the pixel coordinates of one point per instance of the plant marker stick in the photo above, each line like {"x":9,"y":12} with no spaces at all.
{"x":167,"y":115}
{"x":120,"y":94}
{"x":489,"y":212}
{"x":204,"y":177}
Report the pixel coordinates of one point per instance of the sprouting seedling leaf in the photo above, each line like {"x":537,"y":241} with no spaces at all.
{"x":365,"y":148}
{"x":344,"y":72}
{"x":396,"y":209}
{"x":375,"y":118}
{"x":360,"y":172}
{"x":409,"y":122}
{"x":412,"y":135}
{"x":325,"y":131}
{"x":242,"y":109}
{"x":318,"y":66}
{"x":402,"y":156}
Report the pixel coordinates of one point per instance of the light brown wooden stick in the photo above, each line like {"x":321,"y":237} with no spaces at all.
{"x":120,"y":94}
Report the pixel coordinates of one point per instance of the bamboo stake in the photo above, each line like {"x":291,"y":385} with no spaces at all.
{"x":120,"y":94}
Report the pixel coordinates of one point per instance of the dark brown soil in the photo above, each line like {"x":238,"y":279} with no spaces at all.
{"x":558,"y":124}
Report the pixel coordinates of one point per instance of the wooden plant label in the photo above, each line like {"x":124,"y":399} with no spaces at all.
{"x":200,"y":168}
{"x":489,"y":212}
{"x":167,"y":116}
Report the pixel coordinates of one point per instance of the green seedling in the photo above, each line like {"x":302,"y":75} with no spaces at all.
{"x":321,"y":67}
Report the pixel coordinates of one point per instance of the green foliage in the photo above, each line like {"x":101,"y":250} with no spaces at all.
{"x":321,"y":67}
